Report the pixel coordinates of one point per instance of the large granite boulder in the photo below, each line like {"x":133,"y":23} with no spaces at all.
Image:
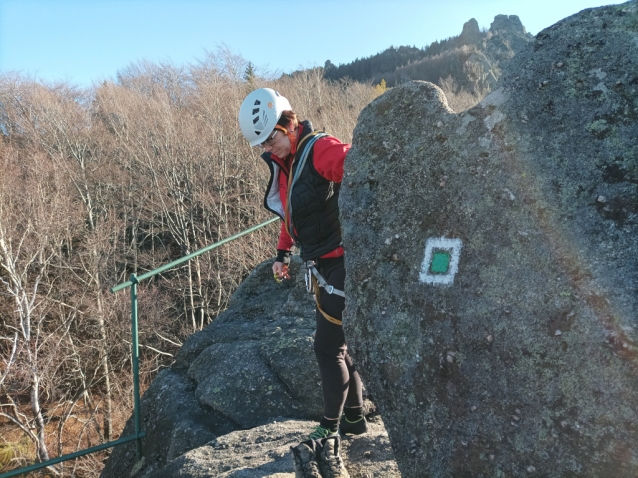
{"x":492,"y":287}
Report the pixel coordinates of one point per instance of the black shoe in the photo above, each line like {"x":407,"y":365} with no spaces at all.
{"x":305,"y":457}
{"x":330,"y":462}
{"x":353,"y":428}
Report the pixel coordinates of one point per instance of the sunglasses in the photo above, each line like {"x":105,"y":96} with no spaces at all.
{"x":270,"y":140}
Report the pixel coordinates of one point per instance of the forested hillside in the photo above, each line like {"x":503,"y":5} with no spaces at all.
{"x":121,"y":178}
{"x":387,"y":61}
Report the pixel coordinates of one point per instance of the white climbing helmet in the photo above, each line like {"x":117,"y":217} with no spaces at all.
{"x":259,"y":114}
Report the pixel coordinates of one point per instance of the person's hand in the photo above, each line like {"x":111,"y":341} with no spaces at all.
{"x":280,"y":271}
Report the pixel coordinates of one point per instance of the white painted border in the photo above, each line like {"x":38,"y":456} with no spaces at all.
{"x":451,"y":245}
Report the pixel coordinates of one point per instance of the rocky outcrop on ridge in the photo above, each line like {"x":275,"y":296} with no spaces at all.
{"x":505,"y":38}
{"x":493,"y":262}
{"x":471,"y":34}
{"x":218,"y":410}
{"x":474,"y":59}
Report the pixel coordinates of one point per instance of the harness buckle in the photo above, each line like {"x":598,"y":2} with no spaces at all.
{"x":308,"y":277}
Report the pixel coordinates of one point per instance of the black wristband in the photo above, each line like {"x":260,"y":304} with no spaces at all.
{"x":283,"y":256}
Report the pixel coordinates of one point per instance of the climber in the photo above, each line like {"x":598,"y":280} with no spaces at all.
{"x":306,"y":169}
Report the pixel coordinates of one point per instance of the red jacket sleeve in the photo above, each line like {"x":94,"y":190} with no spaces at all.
{"x":328,"y":157}
{"x":285,"y":241}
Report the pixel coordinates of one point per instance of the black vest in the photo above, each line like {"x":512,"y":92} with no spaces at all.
{"x":315,"y":205}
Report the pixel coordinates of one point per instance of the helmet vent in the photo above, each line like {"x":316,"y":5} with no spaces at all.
{"x":257,"y":102}
{"x":255,"y":119}
{"x":255,"y":111}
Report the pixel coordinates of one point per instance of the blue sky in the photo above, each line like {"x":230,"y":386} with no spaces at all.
{"x":85,"y":41}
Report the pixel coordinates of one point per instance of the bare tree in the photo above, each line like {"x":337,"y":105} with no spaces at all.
{"x":29,"y":236}
{"x":59,"y":123}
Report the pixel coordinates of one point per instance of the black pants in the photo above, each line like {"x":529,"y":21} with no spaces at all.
{"x":340,"y":382}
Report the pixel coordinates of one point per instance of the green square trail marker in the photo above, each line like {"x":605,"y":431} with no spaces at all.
{"x":440,"y":262}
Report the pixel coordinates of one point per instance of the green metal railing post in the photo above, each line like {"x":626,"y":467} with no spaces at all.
{"x":135,"y":352}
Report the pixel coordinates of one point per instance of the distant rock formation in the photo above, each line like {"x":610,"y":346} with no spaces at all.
{"x":471,"y":34}
{"x":508,"y":24}
{"x":217,"y":411}
{"x":507,"y":36}
{"x":474,"y":60}
{"x":492,"y":287}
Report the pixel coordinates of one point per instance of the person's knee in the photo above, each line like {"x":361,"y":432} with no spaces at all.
{"x":329,"y":352}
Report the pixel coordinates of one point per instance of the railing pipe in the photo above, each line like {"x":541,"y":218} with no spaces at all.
{"x":190,"y":256}
{"x":71,"y":456}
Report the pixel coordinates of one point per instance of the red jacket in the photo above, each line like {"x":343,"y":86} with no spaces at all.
{"x":328,"y":157}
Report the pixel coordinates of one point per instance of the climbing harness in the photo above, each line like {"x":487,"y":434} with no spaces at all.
{"x":314,"y":281}
{"x":312,"y":272}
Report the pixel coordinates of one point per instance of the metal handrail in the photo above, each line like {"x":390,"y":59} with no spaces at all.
{"x":71,"y":456}
{"x":132,"y":283}
{"x":190,"y":256}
